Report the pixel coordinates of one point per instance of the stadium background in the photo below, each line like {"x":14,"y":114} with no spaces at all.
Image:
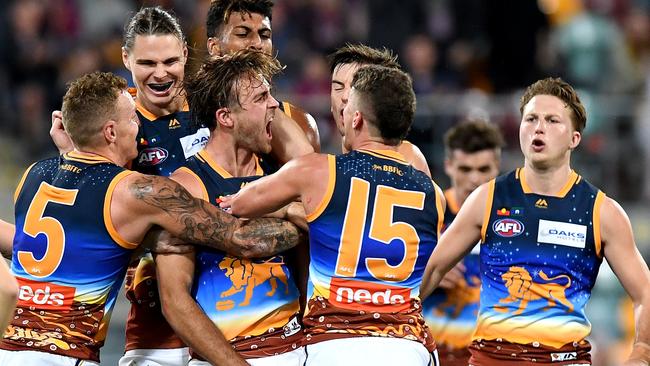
{"x":468,"y":58}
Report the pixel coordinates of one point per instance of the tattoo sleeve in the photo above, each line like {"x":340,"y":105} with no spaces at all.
{"x":197,"y":221}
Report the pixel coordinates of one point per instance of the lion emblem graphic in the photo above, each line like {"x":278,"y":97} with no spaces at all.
{"x":246,"y":276}
{"x":522,"y":288}
{"x":460,"y":296}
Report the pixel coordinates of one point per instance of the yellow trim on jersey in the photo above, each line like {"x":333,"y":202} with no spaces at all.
{"x":258,"y":168}
{"x":488,"y":208}
{"x":108,"y":221}
{"x":213,"y":164}
{"x":387,"y":154}
{"x":452,"y":204}
{"x":205,"y":196}
{"x":574,"y":178}
{"x":86,"y":158}
{"x":286,"y":108}
{"x":206,"y":158}
{"x":144,"y":112}
{"x":149,"y":115}
{"x":600,"y":197}
{"x":331,"y":181}
{"x":22,"y":181}
{"x":441,"y":212}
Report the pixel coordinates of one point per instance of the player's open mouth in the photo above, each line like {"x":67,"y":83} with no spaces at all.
{"x":538,"y":145}
{"x":160,"y":88}
{"x":268,"y":129}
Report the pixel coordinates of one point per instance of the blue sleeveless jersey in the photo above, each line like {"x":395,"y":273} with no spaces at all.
{"x":253,"y":302}
{"x":451,"y":314}
{"x":370,"y":239}
{"x":539,"y":260}
{"x":67,"y":257}
{"x":165,"y":142}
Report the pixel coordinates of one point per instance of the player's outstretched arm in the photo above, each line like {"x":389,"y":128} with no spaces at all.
{"x":8,"y":294}
{"x":303,"y":178}
{"x":461,"y":236}
{"x":289,"y":139}
{"x":175,"y":273}
{"x":625,"y":260}
{"x":141,"y":201}
{"x":7,"y":231}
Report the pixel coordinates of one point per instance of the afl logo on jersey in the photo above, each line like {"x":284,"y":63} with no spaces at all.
{"x":508,"y":228}
{"x":152,"y":156}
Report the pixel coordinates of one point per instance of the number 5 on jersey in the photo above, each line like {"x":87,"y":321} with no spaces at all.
{"x":36,"y":223}
{"x":382,"y":229}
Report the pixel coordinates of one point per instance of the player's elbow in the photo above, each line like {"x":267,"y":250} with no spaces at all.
{"x":245,"y":249}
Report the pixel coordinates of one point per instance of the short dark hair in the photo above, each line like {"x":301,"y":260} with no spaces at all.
{"x":151,"y":21}
{"x":220,"y":11}
{"x":215,"y":85}
{"x":89,"y":101}
{"x":562,"y":90}
{"x":472,"y":136}
{"x":388,"y":94}
{"x":363,"y":55}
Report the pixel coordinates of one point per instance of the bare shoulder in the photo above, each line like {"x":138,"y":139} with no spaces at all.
{"x":414,"y":156}
{"x":305,"y":121}
{"x":474,"y":208}
{"x":613,"y":219}
{"x":309,"y":162}
{"x":190,"y":181}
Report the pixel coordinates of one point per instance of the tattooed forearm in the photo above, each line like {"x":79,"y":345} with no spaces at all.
{"x":194,"y":220}
{"x":264,"y":237}
{"x":197,"y":221}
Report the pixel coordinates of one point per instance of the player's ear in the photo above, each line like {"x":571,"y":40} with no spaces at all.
{"x":223,"y":117}
{"x":575,"y":140}
{"x":110,"y":132}
{"x":357,"y":120}
{"x":448,"y":167}
{"x":213,"y":46}
{"x":185,"y":52}
{"x":125,"y":58}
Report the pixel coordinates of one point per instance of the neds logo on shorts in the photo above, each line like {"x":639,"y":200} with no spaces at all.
{"x":44,"y":295}
{"x":508,"y":228}
{"x":368,"y":296}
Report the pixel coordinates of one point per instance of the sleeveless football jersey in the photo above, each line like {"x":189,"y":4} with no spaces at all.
{"x":451,"y":314}
{"x":370,"y":239}
{"x":67,"y":257}
{"x":164,"y":143}
{"x":539,"y":261}
{"x":253,"y":302}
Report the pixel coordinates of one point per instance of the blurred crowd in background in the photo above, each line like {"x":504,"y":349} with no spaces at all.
{"x":468,"y":58}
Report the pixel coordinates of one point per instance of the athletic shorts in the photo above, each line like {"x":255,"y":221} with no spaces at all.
{"x":370,"y":351}
{"x":156,"y":357}
{"x":293,"y":358}
{"x":36,"y":358}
